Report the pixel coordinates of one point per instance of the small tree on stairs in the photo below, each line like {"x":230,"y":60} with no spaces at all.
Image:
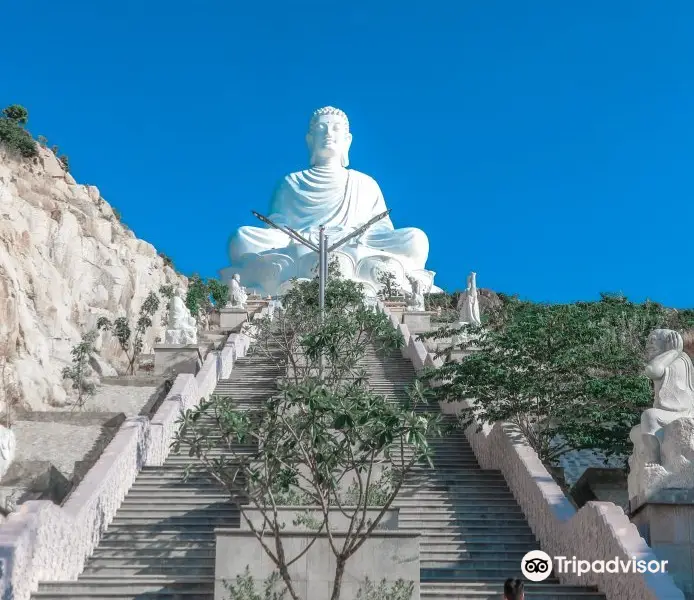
{"x":326,"y":440}
{"x":120,"y":328}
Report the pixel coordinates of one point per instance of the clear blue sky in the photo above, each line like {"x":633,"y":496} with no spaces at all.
{"x":546,"y":145}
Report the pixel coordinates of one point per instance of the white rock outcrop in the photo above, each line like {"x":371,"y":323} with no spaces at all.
{"x":65,"y":261}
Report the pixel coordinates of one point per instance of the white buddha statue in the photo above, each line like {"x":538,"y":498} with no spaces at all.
{"x":182,"y":328}
{"x":340,"y":199}
{"x":237,"y":294}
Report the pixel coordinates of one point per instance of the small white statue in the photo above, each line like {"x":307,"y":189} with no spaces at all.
{"x":468,"y":303}
{"x":8,"y":447}
{"x":182,"y":329}
{"x":415,"y":298}
{"x":663,"y":455}
{"x":672,"y":373}
{"x":237,"y":294}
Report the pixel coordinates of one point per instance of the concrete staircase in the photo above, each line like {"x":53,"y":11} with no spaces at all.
{"x":473,"y":533}
{"x":161,"y":543}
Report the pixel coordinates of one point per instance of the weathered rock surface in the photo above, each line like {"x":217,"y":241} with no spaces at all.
{"x":65,"y":261}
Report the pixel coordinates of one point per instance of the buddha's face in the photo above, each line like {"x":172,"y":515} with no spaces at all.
{"x":329,"y":139}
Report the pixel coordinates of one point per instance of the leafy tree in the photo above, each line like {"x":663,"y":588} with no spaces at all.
{"x":132,"y":346}
{"x":9,"y":390}
{"x":568,"y":376}
{"x":42,"y":140}
{"x":64,"y":162}
{"x":325,"y":437}
{"x":389,"y":286}
{"x":219,"y":292}
{"x":80,"y":369}
{"x":17,"y":139}
{"x":198,"y":296}
{"x":16,"y":113}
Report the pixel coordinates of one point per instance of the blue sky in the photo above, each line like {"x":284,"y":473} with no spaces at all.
{"x":546,"y":145}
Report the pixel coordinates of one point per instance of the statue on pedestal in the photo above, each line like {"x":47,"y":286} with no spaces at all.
{"x":340,"y":199}
{"x":237,"y":294}
{"x":182,"y":329}
{"x":415,"y":298}
{"x":663,"y":455}
{"x":468,"y":303}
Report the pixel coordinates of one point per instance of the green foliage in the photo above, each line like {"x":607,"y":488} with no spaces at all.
{"x":245,"y":588}
{"x":120,"y":328}
{"x":167,"y":260}
{"x":198,"y":296}
{"x":218,"y":291}
{"x":80,"y":369}
{"x":42,"y":140}
{"x":389,"y":287}
{"x":17,"y":139}
{"x":116,"y":214}
{"x":568,"y":376}
{"x":401,"y":590}
{"x":204,"y":296}
{"x":64,"y":162}
{"x":167,"y":291}
{"x":324,"y":431}
{"x":16,"y":113}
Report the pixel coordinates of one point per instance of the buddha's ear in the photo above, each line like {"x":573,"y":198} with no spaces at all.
{"x":309,"y":141}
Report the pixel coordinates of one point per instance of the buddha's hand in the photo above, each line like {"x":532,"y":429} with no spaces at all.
{"x":673,"y":341}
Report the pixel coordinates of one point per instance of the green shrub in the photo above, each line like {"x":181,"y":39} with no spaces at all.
{"x":17,"y":139}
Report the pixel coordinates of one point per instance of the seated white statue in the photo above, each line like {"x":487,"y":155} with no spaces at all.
{"x":672,"y":373}
{"x":182,"y":330}
{"x":415,"y":298}
{"x":8,"y":448}
{"x":327,"y":194}
{"x":237,"y":294}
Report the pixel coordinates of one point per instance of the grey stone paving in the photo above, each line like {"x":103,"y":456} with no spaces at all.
{"x":117,"y":398}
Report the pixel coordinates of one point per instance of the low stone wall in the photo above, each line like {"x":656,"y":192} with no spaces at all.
{"x":598,"y":531}
{"x":45,"y":542}
{"x":385,"y":554}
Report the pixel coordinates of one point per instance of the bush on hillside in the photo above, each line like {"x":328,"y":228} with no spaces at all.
{"x":16,"y":139}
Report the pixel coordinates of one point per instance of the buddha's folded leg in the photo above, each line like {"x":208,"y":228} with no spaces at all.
{"x":409,"y":241}
{"x":254,"y":240}
{"x":654,"y":419}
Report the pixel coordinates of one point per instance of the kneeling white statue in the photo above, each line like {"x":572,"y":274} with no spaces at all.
{"x":663,"y":455}
{"x":182,"y":330}
{"x":237,"y":294}
{"x":341,"y":200}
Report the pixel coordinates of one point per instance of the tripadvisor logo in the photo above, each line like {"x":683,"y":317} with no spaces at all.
{"x":537,"y":565}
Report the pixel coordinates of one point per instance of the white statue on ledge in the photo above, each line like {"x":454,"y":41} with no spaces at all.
{"x":468,"y":303}
{"x":327,"y":194}
{"x":237,"y":294}
{"x":182,"y":329}
{"x":415,"y":298}
{"x":663,"y":455}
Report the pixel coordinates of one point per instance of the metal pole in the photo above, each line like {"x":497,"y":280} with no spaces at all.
{"x":321,"y":272}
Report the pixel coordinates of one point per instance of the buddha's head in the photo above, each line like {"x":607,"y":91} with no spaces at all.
{"x":328,"y":137}
{"x":236,"y":277}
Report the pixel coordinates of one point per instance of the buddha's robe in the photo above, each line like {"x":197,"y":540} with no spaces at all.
{"x":339,"y":199}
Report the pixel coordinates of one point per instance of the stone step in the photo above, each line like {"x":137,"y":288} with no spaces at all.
{"x":164,"y":511}
{"x":502,"y":570}
{"x":175,"y":521}
{"x":465,"y":545}
{"x":480,"y":529}
{"x":163,"y":535}
{"x":441,"y":512}
{"x":105,"y":587}
{"x":152,"y":550}
{"x":126,"y":568}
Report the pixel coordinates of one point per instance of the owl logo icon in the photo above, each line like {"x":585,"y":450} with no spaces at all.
{"x":536,"y":565}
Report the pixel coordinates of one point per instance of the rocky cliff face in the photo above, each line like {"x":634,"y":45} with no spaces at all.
{"x":65,"y":261}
